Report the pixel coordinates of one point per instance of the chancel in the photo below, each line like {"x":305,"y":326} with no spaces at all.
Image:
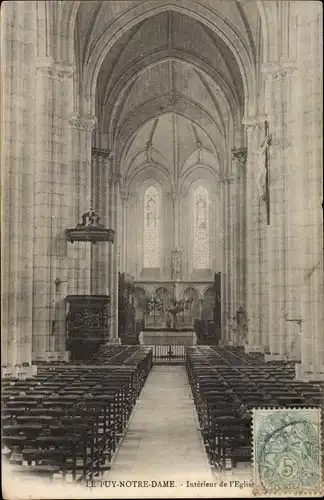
{"x":162,"y":232}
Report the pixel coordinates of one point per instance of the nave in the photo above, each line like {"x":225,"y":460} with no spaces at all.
{"x":162,"y":186}
{"x":163,"y":440}
{"x":120,"y":418}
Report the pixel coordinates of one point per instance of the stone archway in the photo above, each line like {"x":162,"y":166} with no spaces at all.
{"x":141,"y":12}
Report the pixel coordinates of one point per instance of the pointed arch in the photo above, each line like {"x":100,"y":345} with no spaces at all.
{"x":194,"y":9}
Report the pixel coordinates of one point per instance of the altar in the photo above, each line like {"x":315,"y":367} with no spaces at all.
{"x":168,"y":336}
{"x":166,"y":324}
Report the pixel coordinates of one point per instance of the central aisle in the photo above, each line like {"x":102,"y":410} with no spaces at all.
{"x":162,"y":440}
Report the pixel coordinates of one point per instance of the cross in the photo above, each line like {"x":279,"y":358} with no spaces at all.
{"x":264,"y":173}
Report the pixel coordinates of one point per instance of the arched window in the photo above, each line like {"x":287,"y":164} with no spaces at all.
{"x":152,"y":228}
{"x":201,"y":229}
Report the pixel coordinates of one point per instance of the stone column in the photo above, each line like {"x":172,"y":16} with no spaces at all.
{"x":277,"y":104}
{"x":230,"y":192}
{"x":79,"y":280}
{"x":94,"y":203}
{"x":291,"y":174}
{"x":308,"y":141}
{"x":254,"y":126}
{"x":176,"y":203}
{"x":214,"y":231}
{"x":54,"y":87}
{"x":132,"y":236}
{"x":183,"y":235}
{"x":226,"y":274}
{"x":18,"y":134}
{"x":124,"y":227}
{"x":170,"y":233}
{"x":233,"y":188}
{"x":101,"y":167}
{"x":114,"y":270}
{"x":112,"y":226}
{"x":176,"y":210}
{"x":240,"y":158}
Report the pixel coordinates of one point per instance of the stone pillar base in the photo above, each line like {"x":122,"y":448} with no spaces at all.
{"x":310,"y":373}
{"x":63,"y":356}
{"x":253,"y":348}
{"x":49,"y":356}
{"x":275,"y":357}
{"x":20,"y":372}
{"x":225,"y":343}
{"x":114,"y":341}
{"x":293,"y":357}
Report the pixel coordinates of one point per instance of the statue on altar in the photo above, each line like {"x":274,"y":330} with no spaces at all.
{"x":150,"y":306}
{"x":176,"y":264}
{"x":178,"y":307}
{"x":154,"y":305}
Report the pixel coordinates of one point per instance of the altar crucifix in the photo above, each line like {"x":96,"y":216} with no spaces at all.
{"x":263,"y":173}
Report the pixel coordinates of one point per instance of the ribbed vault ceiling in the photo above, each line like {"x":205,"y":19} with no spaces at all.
{"x":169,"y":74}
{"x":172,"y":142}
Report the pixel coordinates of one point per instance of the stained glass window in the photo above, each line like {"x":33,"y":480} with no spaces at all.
{"x":152,"y":228}
{"x":201,"y":229}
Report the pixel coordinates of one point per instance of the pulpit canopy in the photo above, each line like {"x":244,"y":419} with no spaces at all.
{"x":90,"y":230}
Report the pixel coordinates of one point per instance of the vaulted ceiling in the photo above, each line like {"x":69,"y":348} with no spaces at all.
{"x":169,"y":80}
{"x":172,"y":143}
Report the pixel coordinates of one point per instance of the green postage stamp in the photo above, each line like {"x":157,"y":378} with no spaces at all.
{"x":287,"y":451}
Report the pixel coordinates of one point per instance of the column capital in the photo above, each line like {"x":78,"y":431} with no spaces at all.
{"x":174,"y":195}
{"x":110,"y":179}
{"x":132,"y":195}
{"x":214,"y":195}
{"x":85,"y":122}
{"x":123,"y":194}
{"x":278,"y":70}
{"x":229,"y":179}
{"x":102,"y":155}
{"x":239,"y":156}
{"x":116,"y":178}
{"x":252,"y":123}
{"x":48,"y":67}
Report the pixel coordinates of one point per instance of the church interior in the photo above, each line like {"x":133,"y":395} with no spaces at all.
{"x":162,"y":231}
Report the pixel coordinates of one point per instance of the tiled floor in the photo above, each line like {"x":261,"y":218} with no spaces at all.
{"x":162,"y":440}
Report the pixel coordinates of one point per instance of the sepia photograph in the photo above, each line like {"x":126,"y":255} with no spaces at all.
{"x":162,"y":284}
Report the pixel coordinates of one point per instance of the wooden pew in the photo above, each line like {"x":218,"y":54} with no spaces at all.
{"x":67,"y":421}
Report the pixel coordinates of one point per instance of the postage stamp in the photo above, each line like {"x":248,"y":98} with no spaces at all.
{"x":287,"y":451}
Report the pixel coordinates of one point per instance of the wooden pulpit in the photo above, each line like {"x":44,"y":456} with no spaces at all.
{"x":87,"y":325}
